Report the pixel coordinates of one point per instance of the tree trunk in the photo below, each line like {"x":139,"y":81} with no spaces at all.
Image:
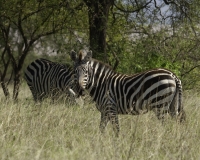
{"x":5,"y":62}
{"x":16,"y":84}
{"x":98,"y":16}
{"x":5,"y":90}
{"x":17,"y":72}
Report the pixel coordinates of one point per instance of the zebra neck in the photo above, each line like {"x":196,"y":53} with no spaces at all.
{"x":100,"y":74}
{"x":65,"y":78}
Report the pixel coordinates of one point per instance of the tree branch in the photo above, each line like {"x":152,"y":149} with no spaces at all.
{"x":135,"y":10}
{"x":116,"y":60}
{"x":19,"y":25}
{"x":187,"y":72}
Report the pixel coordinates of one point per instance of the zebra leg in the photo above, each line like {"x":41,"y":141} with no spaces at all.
{"x":54,"y":95}
{"x":34,"y":93}
{"x":104,"y":122}
{"x":113,"y":117}
{"x":115,"y":123}
{"x":36,"y":97}
{"x":160,"y":113}
{"x":105,"y":118}
{"x":181,"y":116}
{"x":176,"y":108}
{"x":111,"y":113}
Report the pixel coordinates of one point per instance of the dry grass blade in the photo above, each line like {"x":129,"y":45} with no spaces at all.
{"x":63,"y":131}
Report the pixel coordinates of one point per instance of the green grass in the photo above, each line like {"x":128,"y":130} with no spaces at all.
{"x":60,"y":131}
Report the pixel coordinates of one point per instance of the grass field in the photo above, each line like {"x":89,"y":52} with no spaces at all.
{"x":64,"y":132}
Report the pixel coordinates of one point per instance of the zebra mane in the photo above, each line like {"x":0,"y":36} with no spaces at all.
{"x":103,"y":64}
{"x":55,"y":63}
{"x":46,"y":61}
{"x":107,"y":66}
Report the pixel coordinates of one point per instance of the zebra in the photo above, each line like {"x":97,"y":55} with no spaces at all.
{"x":158,"y":90}
{"x":46,"y":78}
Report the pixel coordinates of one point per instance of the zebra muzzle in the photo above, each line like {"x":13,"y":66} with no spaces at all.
{"x":72,"y":92}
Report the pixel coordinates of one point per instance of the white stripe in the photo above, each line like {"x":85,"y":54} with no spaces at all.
{"x":141,"y":84}
{"x":166,"y":81}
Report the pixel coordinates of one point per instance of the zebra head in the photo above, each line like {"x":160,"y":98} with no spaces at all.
{"x":82,"y":67}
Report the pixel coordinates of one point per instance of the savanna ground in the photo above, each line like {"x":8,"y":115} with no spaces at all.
{"x":62,"y":131}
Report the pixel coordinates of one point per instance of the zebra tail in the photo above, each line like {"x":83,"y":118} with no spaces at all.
{"x":177,"y":104}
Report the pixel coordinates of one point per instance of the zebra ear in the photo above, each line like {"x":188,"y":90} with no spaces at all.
{"x":89,"y":54}
{"x":73,"y":55}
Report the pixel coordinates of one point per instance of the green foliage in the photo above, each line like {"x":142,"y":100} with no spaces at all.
{"x":174,"y":50}
{"x":141,"y":39}
{"x":139,"y":56}
{"x":30,"y":26}
{"x":146,"y":40}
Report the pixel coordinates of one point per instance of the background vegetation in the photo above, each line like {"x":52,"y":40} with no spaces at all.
{"x":130,"y":35}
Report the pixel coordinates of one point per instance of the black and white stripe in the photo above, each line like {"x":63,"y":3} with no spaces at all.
{"x":159,"y":90}
{"x":46,"y":78}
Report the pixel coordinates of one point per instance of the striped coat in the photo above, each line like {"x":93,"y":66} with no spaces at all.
{"x":159,"y":90}
{"x":49,"y":79}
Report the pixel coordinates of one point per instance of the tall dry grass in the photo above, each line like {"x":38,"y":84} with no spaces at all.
{"x":62,"y":131}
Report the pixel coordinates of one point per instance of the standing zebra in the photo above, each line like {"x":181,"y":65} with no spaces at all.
{"x":46,"y":78}
{"x":114,"y":93}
